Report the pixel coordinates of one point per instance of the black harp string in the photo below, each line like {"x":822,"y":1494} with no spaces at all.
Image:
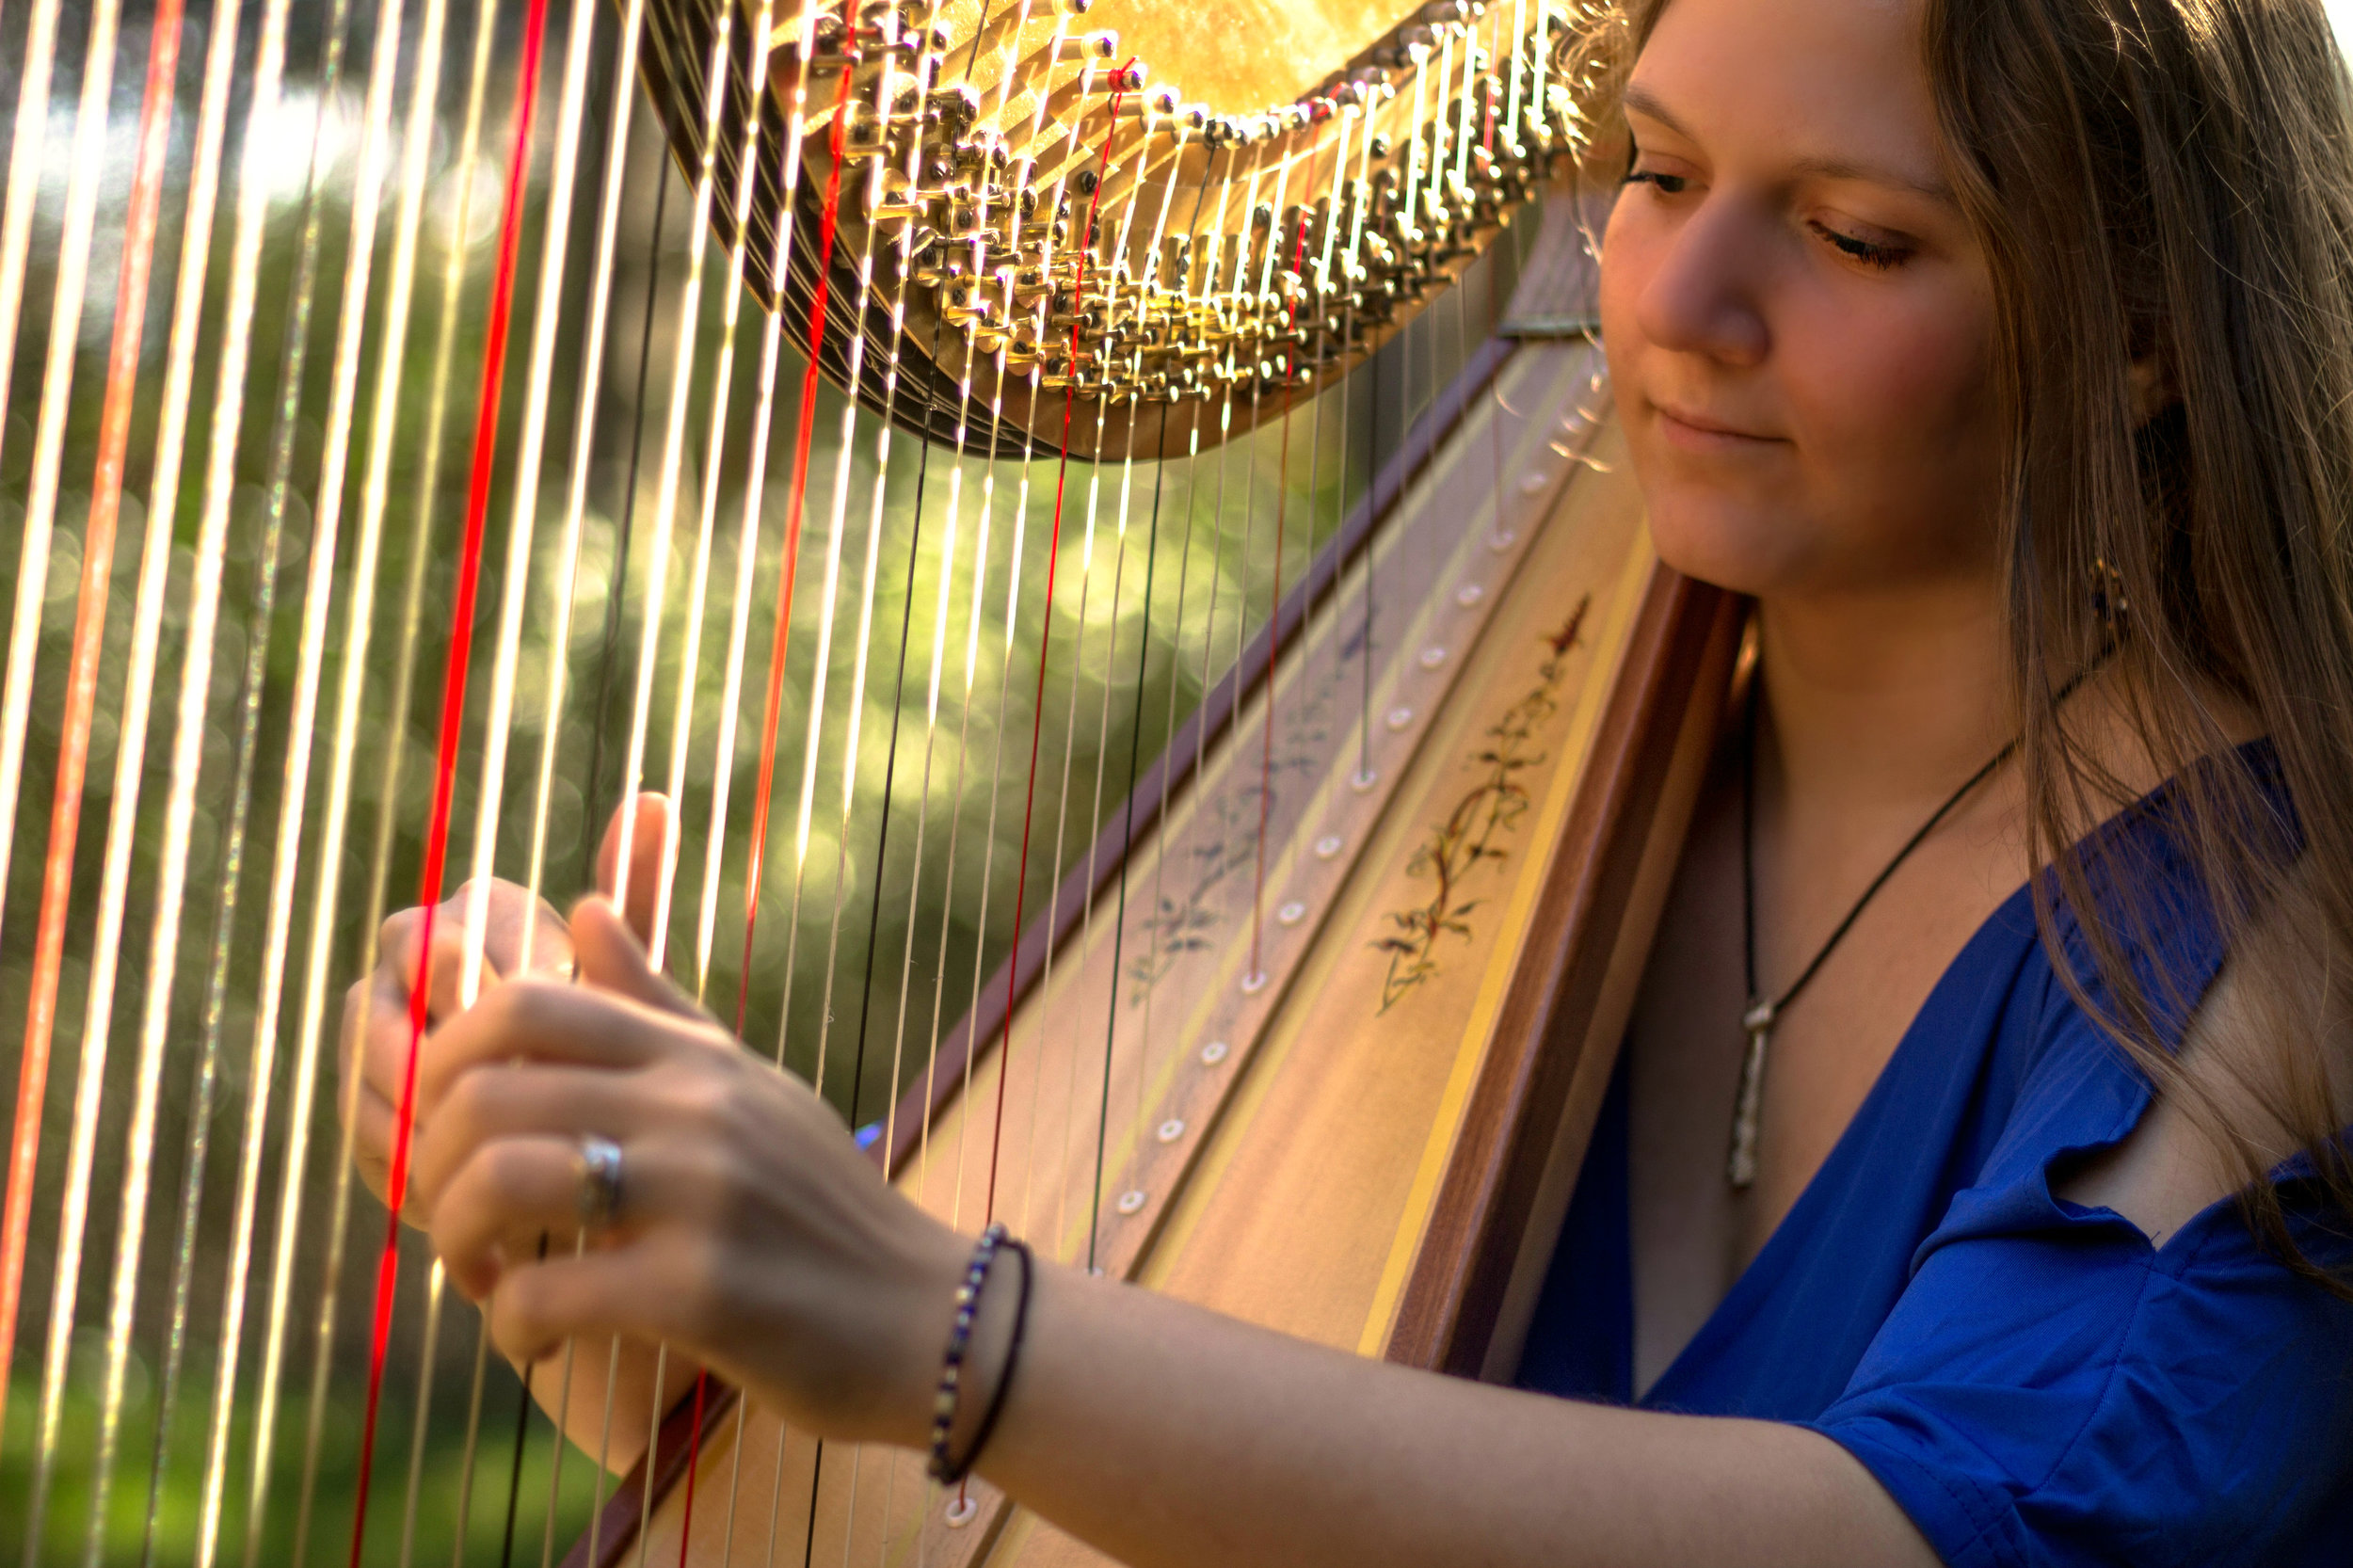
{"x":1111,"y":275}
{"x":1201,"y":252}
{"x":403,"y":687}
{"x":199,"y":1137}
{"x":1135,"y":735}
{"x":294,"y":357}
{"x":617,"y":580}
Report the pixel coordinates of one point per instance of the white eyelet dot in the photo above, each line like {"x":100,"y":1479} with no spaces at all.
{"x":1292,"y":913}
{"x":1130,"y":1201}
{"x":962,"y":1508}
{"x":1401,"y":717}
{"x":1214,"y":1052}
{"x":1171,"y":1130}
{"x":1501,"y":540}
{"x":1536,"y":483}
{"x":1253,"y":983}
{"x":1328,"y":847}
{"x":1433,"y":656}
{"x":1365,"y":778}
{"x":1469,"y":593}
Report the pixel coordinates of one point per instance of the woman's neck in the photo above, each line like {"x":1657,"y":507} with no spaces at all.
{"x":1880,"y":703}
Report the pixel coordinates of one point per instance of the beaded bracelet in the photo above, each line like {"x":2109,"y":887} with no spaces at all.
{"x":1004,"y":1377}
{"x":959,"y":1341}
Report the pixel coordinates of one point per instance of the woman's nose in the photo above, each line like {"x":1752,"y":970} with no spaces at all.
{"x":1703,"y":295}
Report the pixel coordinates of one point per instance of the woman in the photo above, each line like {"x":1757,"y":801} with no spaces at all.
{"x":2000,"y":350}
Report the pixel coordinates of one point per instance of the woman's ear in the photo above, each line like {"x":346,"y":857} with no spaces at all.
{"x":2149,"y":380}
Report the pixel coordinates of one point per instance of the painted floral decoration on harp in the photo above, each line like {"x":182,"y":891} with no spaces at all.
{"x":1472,"y":832}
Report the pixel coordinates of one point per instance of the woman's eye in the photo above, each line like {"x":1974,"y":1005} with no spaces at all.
{"x":1669,"y":184}
{"x":1870,"y":252}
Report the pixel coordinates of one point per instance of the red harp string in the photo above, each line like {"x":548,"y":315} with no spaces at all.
{"x":797,"y":494}
{"x":1045,"y":632}
{"x":803,"y":435}
{"x":452,"y":727}
{"x":90,"y":625}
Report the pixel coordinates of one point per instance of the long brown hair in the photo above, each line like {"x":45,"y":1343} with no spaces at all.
{"x":2167,"y":182}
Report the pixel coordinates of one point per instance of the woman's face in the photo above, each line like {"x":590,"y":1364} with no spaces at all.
{"x":1799,"y":323}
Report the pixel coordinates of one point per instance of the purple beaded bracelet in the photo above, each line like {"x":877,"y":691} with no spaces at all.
{"x":959,"y":1341}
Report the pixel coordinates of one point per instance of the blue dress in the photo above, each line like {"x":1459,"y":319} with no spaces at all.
{"x":2031,"y":1382}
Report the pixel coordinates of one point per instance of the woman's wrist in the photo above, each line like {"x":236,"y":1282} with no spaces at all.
{"x":986,"y":1353}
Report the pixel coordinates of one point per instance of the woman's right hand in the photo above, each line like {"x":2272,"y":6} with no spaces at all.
{"x":521,"y":933}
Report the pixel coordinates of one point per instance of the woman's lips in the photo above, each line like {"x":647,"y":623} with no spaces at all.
{"x":1696,"y":432}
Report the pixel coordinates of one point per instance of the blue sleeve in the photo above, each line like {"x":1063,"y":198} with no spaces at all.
{"x":2051,"y":1391}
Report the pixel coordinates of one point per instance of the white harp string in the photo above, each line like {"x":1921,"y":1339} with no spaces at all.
{"x":65,"y":332}
{"x":521,"y":536}
{"x":32,"y":567}
{"x":411,"y":611}
{"x":659,"y":542}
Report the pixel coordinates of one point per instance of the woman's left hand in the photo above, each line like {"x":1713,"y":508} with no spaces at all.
{"x":750,"y":1230}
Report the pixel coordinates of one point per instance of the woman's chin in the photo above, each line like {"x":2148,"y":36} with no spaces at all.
{"x":1731,"y":547}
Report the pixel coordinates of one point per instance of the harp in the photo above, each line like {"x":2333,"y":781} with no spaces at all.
{"x":1177,"y":726}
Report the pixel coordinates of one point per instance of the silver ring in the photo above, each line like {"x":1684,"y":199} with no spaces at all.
{"x":600,"y":1181}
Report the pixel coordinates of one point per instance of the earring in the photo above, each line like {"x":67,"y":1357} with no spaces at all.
{"x":2107,"y":596}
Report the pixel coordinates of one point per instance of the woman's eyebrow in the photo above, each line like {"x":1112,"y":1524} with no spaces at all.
{"x":1638,"y":99}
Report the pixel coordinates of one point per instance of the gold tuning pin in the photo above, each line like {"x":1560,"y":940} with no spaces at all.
{"x":1103,"y":45}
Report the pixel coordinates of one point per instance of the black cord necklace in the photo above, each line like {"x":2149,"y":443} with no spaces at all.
{"x":1741,"y":1167}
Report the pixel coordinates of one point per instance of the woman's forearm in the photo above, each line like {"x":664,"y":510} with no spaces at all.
{"x":1165,"y":1434}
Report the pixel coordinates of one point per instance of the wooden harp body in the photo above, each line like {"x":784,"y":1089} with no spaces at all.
{"x":812,"y":413}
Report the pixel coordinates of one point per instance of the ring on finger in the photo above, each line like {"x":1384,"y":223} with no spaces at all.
{"x":599,"y":1166}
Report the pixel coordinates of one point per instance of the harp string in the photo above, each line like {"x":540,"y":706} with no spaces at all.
{"x":722,"y":386}
{"x":80,"y":217}
{"x":1256,"y":216}
{"x":123,"y":362}
{"x":617,"y":582}
{"x":16,"y":236}
{"x":1070,"y":727}
{"x":723,"y":765}
{"x":547,"y":309}
{"x":1053,"y":548}
{"x":1148,"y":277}
{"x":1041,"y":312}
{"x":923,"y":796}
{"x":1365,"y":776}
{"x":1274,"y":603}
{"x":204,"y":602}
{"x":404,"y":669}
{"x":25,"y":147}
{"x":521,"y":539}
{"x":316,"y":604}
{"x":796,"y":490}
{"x":1146,"y":288}
{"x":294,"y":358}
{"x":1160,"y":905}
{"x":453,"y":713}
{"x":410,"y":619}
{"x":660,"y":546}
{"x":837,"y":534}
{"x":828,"y":597}
{"x":837,"y":528}
{"x":295,"y":787}
{"x":1214,"y":871}
{"x":716,"y":69}
{"x":147,"y":617}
